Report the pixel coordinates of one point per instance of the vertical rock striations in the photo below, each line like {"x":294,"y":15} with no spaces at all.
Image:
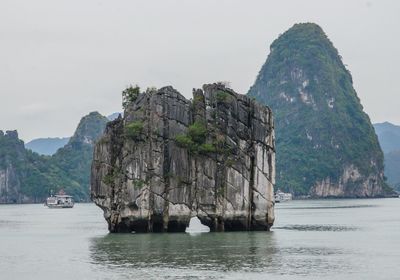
{"x":11,"y":152}
{"x":170,"y":159}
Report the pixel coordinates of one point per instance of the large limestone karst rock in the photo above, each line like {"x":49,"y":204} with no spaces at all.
{"x":170,"y":159}
{"x":325,"y":142}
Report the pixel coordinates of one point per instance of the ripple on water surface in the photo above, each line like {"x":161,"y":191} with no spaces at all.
{"x":318,"y":228}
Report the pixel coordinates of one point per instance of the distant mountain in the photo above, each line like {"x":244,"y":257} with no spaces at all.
{"x":114,"y":116}
{"x":26,"y":176}
{"x":392,"y":168}
{"x":46,"y":146}
{"x":389,"y":138}
{"x":75,"y":158}
{"x":325,"y":142}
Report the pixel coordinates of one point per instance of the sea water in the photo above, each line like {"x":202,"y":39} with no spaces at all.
{"x":311,"y":239}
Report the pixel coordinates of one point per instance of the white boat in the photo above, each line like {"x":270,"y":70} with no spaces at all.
{"x":281,"y":196}
{"x":60,"y":201}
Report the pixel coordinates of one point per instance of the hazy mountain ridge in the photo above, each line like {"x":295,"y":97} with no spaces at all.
{"x":389,"y":138}
{"x":26,"y":176}
{"x":326,"y":145}
{"x":113,"y":116}
{"x":47,"y":146}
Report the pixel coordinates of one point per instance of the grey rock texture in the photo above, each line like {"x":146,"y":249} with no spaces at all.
{"x":149,"y":181}
{"x":9,"y":185}
{"x":9,"y":182}
{"x":345,"y":187}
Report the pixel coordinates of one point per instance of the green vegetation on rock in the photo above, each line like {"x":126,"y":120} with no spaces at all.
{"x":195,"y":139}
{"x":197,"y":132}
{"x":222,"y":96}
{"x":129,"y":95}
{"x":321,"y":128}
{"x":134,"y":129}
{"x":185,"y":141}
{"x":33,"y":176}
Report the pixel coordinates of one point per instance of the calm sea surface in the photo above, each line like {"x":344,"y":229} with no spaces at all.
{"x":329,"y":239}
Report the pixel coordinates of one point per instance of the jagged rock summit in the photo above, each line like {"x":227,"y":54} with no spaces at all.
{"x":326,"y":144}
{"x":169,"y":159}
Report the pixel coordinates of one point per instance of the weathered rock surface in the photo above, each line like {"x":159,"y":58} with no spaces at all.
{"x":10,"y":185}
{"x":166,"y":172}
{"x":350,"y":184}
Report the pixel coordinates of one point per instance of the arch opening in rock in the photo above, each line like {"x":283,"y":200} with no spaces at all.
{"x":195,"y":226}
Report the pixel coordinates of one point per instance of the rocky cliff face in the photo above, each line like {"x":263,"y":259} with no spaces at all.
{"x":27,"y":177}
{"x":350,"y":184}
{"x":170,"y":159}
{"x":9,"y":183}
{"x":325,"y":141}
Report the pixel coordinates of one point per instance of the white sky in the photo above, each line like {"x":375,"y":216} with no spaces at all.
{"x":59,"y":60}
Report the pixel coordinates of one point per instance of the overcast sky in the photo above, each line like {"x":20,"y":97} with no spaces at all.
{"x":59,"y":60}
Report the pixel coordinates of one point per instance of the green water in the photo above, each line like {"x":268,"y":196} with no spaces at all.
{"x":330,"y":239}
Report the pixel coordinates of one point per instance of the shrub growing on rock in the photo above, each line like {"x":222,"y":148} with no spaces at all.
{"x":134,"y":129}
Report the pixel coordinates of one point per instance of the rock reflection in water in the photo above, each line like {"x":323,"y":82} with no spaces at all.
{"x":252,"y":255}
{"x":210,"y":251}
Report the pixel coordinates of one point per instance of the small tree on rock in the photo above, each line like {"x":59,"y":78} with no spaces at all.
{"x":129,"y":95}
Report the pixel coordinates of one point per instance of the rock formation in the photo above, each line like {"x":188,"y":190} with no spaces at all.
{"x":11,"y":149}
{"x":325,"y":141}
{"x":27,"y":177}
{"x":170,"y":159}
